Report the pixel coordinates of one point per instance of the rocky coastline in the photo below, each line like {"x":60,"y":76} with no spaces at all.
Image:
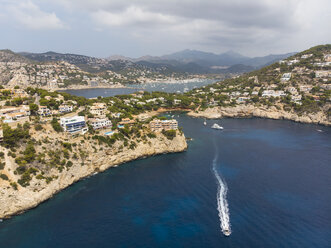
{"x":248,"y":111}
{"x":17,"y":201}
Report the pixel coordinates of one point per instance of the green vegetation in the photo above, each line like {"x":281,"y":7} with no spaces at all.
{"x":56,"y":125}
{"x":170,"y":134}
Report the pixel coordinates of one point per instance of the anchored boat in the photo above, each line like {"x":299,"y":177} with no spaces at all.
{"x":216,"y":126}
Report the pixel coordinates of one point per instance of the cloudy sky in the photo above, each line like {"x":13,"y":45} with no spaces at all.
{"x":138,"y":27}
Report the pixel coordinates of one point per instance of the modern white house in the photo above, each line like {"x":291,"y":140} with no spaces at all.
{"x":98,"y":123}
{"x":286,"y":77}
{"x":44,"y":111}
{"x":65,"y":109}
{"x":74,"y":124}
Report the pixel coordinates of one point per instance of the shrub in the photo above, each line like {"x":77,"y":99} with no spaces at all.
{"x":56,"y":125}
{"x":38,"y":127}
{"x":170,"y":134}
{"x":3,"y":176}
{"x":14,"y":185}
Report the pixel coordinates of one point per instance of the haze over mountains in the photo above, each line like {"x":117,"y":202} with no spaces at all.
{"x":189,"y":61}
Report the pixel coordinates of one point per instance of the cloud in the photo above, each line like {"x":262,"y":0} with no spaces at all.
{"x":253,"y":27}
{"x":29,"y":15}
{"x":132,"y":16}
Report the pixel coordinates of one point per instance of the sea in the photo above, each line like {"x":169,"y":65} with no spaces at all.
{"x":267,"y":181}
{"x":150,"y":87}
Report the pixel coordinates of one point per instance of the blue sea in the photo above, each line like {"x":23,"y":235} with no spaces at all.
{"x":150,"y":87}
{"x":278,"y":177}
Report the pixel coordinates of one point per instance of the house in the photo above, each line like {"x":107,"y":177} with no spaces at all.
{"x":21,"y":109}
{"x":286,"y":77}
{"x":99,"y":109}
{"x":44,"y":111}
{"x":176,"y":101}
{"x":157,"y":125}
{"x":98,"y":123}
{"x":126,"y":121}
{"x":273,"y":93}
{"x":65,"y":109}
{"x":320,"y":74}
{"x":74,"y":124}
{"x":242,"y":99}
{"x":305,"y":88}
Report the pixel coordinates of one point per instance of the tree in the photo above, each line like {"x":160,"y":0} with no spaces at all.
{"x":33,"y":108}
{"x":56,"y":125}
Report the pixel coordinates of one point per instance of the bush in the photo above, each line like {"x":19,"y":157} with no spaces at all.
{"x":2,"y":165}
{"x":56,"y":125}
{"x":14,"y":185}
{"x":4,"y":177}
{"x":38,"y":127}
{"x":170,"y":134}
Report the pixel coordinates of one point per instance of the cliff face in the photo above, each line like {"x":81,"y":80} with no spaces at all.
{"x":262,"y":112}
{"x":16,"y":201}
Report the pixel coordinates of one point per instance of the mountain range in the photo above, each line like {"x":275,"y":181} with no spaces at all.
{"x":186,"y":61}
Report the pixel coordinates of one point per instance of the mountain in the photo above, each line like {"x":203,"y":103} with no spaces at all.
{"x":9,"y":56}
{"x":186,"y":61}
{"x":207,"y":62}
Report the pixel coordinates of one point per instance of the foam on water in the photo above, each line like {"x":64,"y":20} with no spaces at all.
{"x":222,"y":204}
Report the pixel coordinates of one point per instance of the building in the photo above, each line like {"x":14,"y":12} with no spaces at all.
{"x":44,"y":111}
{"x":320,"y":74}
{"x":65,"y":109}
{"x":273,"y":93}
{"x":74,"y":124}
{"x":99,"y":109}
{"x":286,"y":77}
{"x":98,"y":123}
{"x":21,"y":109}
{"x":126,"y":121}
{"x":1,"y":135}
{"x":157,"y":125}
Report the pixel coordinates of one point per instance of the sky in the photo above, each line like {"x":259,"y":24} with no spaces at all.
{"x":135,"y":28}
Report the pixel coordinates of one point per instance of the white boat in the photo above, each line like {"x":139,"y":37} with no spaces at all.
{"x":216,"y":126}
{"x":205,"y":122}
{"x":226,"y":232}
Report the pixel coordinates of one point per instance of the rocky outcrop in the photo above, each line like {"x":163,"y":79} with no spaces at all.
{"x":262,"y":112}
{"x":17,"y":201}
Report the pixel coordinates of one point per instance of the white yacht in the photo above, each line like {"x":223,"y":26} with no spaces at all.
{"x":216,"y":126}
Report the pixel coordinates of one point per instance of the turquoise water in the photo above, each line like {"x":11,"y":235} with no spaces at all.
{"x":278,"y":179}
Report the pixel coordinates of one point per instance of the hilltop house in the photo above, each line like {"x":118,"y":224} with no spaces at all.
{"x":99,"y":109}
{"x":74,"y":124}
{"x":65,"y":109}
{"x":286,"y":77}
{"x":157,"y":125}
{"x":44,"y":111}
{"x":98,"y":123}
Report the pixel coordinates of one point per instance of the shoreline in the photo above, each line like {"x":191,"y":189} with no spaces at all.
{"x":249,"y":111}
{"x":16,"y":202}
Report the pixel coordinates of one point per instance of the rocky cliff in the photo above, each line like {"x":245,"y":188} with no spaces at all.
{"x":262,"y":112}
{"x":16,"y":201}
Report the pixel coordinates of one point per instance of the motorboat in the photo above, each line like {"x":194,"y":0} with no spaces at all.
{"x":216,"y":126}
{"x":227,"y":232}
{"x":205,"y":122}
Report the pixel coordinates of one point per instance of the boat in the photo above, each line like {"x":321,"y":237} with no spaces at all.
{"x":216,"y":126}
{"x":205,"y":122}
{"x":227,"y":232}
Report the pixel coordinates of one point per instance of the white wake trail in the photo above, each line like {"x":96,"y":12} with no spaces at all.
{"x":222,"y":204}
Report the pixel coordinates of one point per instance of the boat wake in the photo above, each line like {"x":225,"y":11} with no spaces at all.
{"x":222,"y":204}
